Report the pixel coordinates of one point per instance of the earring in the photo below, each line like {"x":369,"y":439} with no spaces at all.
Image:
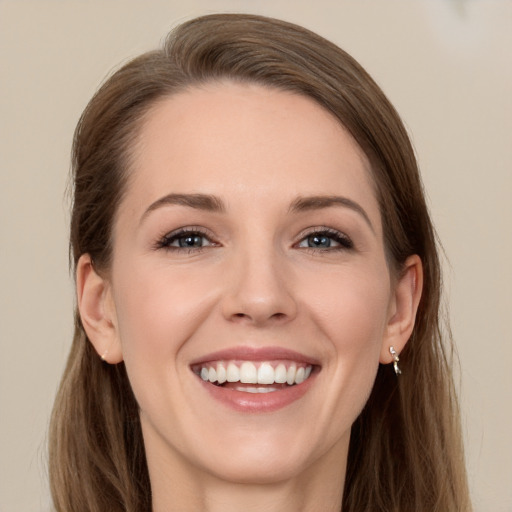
{"x":104,"y":355}
{"x":395,"y":360}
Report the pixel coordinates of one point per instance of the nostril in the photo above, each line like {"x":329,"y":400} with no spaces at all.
{"x":244,"y":316}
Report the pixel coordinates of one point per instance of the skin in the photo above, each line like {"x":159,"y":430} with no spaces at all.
{"x":253,"y":283}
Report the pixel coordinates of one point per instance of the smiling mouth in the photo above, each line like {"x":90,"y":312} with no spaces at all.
{"x":254,"y":377}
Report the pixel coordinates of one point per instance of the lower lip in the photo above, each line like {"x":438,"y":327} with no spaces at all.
{"x":258,"y":402}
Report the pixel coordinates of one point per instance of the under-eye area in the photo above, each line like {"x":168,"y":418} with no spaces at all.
{"x":255,"y":377}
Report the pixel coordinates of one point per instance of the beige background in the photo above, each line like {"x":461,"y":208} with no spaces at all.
{"x":445,"y":64}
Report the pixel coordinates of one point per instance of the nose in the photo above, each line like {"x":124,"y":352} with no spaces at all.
{"x":259,"y":289}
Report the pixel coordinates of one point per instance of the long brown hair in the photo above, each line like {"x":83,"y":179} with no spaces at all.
{"x":405,"y":449}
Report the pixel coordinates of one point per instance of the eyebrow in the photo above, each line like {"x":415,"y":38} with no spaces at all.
{"x":319,"y":202}
{"x":198,"y":201}
{"x":212,"y":203}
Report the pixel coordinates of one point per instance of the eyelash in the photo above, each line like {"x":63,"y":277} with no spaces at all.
{"x":164,"y":242}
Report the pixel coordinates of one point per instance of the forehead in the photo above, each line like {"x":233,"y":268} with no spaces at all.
{"x":247,"y":140}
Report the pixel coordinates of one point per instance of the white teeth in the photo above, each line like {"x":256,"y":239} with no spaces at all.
{"x":280,"y":374}
{"x":290,"y":375}
{"x":221,"y":374}
{"x":248,"y":373}
{"x":299,"y":376}
{"x":266,"y":374}
{"x":232,"y":373}
{"x":255,"y":390}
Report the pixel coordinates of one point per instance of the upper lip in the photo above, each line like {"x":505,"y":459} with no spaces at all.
{"x":246,"y":353}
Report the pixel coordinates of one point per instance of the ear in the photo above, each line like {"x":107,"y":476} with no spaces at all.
{"x":97,"y":311}
{"x":403,"y":308}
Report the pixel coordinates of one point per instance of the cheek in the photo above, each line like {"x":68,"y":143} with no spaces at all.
{"x":157,"y":312}
{"x":153,"y":303}
{"x":352,"y":309}
{"x":355,"y":325}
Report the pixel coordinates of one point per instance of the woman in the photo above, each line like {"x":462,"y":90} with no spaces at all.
{"x":258,"y":289}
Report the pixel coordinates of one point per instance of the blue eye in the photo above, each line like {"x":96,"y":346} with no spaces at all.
{"x":326,"y":239}
{"x":190,"y":239}
{"x":319,"y":241}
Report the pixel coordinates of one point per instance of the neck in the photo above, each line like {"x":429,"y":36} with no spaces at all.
{"x":184,"y":489}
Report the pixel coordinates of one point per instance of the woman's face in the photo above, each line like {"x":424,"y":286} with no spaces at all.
{"x":248,"y":248}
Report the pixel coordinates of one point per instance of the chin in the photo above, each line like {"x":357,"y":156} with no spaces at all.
{"x":259,"y":466}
